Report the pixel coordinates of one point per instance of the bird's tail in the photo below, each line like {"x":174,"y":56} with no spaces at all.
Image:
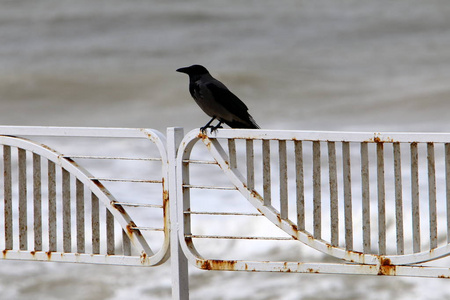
{"x":252,"y":121}
{"x":249,"y":123}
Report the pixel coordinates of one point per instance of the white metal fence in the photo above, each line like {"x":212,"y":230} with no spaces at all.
{"x":375,"y":203}
{"x":59,"y":206}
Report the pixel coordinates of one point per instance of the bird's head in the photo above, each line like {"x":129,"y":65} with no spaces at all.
{"x":194,"y":70}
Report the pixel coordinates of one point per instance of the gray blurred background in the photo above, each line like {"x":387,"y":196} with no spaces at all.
{"x":365,"y":65}
{"x":317,"y":65}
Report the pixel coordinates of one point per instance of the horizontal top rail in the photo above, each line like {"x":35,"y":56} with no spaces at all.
{"x":80,"y":131}
{"x":374,"y":137}
{"x":337,"y":136}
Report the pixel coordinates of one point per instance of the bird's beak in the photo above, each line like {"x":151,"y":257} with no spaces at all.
{"x":183,"y":70}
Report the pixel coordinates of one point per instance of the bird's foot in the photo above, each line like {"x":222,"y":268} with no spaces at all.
{"x":204,"y":128}
{"x":213,"y":128}
{"x":216,"y":127}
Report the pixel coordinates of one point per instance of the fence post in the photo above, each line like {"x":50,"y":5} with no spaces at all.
{"x":179,"y":264}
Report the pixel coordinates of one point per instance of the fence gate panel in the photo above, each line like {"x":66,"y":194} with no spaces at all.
{"x":371,"y":203}
{"x":89,"y":195}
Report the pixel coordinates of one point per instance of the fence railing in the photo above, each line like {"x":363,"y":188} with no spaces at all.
{"x":374,"y":203}
{"x":59,"y":206}
{"x":373,"y":200}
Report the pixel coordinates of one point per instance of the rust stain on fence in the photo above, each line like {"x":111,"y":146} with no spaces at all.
{"x":131,"y":228}
{"x":202,"y":135}
{"x":378,"y":139}
{"x":165,"y":202}
{"x":101,"y":186}
{"x":352,"y":253}
{"x":256,"y":195}
{"x":216,"y":264}
{"x":386,"y":268}
{"x":118,"y":207}
{"x":143,"y":258}
{"x":311,"y":270}
{"x":285,"y":268}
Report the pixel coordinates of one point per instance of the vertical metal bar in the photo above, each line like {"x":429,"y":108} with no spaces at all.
{"x":317,"y":191}
{"x":232,"y":153}
{"x":178,"y":261}
{"x":186,"y":197}
{"x":432,"y":195}
{"x":398,"y":199}
{"x":334,"y":207}
{"x":365,"y":190}
{"x":250,"y":164}
{"x":346,"y":163}
{"x":284,"y":208}
{"x":23,"y":235}
{"x":415,"y":197}
{"x":95,"y":218}
{"x":80,"y":217}
{"x":447,"y":185}
{"x":266,"y":173}
{"x":7,"y":194}
{"x":299,"y":183}
{"x":109,"y":233}
{"x":126,"y":244}
{"x":52,"y":207}
{"x":37,"y":202}
{"x":67,"y":234}
{"x":381,"y":200}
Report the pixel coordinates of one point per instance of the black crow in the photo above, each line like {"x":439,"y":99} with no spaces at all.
{"x":216,"y":100}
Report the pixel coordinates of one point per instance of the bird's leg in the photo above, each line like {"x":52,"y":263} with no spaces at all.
{"x":216,"y":127}
{"x":208,"y":125}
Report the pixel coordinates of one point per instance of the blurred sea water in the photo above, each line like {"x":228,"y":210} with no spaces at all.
{"x":310,"y":65}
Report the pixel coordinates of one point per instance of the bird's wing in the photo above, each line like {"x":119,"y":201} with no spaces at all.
{"x":227,"y":99}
